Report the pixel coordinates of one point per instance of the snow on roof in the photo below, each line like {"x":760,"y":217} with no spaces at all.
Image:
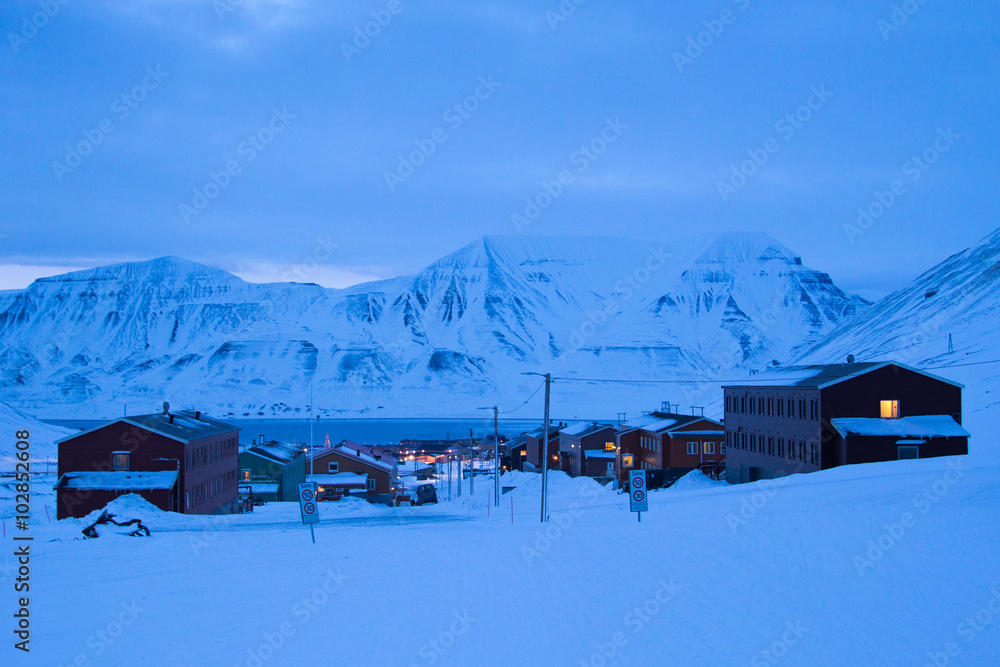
{"x":823,"y":376}
{"x":276,"y":451}
{"x":581,"y":429}
{"x":599,"y":454}
{"x":261,"y":487}
{"x":653,"y":423}
{"x":121,"y":480}
{"x":929,"y":426}
{"x":360,"y":453}
{"x":340,"y":479}
{"x":677,"y":434}
{"x":187,"y":425}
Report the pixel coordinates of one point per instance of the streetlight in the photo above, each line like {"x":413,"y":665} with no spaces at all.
{"x":544,"y":454}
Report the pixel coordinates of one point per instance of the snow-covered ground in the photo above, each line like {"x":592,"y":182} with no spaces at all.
{"x":874,"y":565}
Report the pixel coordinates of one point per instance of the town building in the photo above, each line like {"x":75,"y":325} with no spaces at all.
{"x":179,"y":461}
{"x":381,"y":483}
{"x":588,"y":448}
{"x":671,"y":441}
{"x":793,"y":419}
{"x":272,"y":470}
{"x":533,"y":439}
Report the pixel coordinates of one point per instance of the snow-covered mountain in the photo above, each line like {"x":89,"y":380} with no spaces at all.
{"x":41,"y":439}
{"x":456,"y":336}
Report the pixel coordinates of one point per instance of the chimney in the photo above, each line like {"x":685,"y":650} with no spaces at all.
{"x":197,"y":415}
{"x":171,"y":418}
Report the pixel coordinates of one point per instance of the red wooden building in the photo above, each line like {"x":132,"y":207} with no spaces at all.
{"x":181,"y":462}
{"x":663,"y":440}
{"x":807,"y":418}
{"x":349,"y":457}
{"x":588,"y":448}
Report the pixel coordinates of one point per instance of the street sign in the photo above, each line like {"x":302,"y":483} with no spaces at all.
{"x":637,"y":491}
{"x":307,"y":503}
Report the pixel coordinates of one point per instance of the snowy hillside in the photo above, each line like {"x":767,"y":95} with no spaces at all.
{"x":42,"y":437}
{"x":441,"y":342}
{"x":959,"y":298}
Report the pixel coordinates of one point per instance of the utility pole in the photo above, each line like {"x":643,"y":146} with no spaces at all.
{"x":472,"y":467}
{"x":311,"y":420}
{"x":449,"y":476}
{"x":545,"y":445}
{"x":496,"y":454}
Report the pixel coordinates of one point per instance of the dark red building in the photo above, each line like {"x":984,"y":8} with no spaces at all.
{"x":349,"y":457}
{"x":533,"y":440}
{"x":588,"y":448}
{"x":664,"y":440}
{"x":181,"y":462}
{"x":807,"y":418}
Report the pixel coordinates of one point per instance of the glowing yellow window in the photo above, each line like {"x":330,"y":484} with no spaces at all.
{"x":890,"y":409}
{"x":609,"y":446}
{"x":627,"y":461}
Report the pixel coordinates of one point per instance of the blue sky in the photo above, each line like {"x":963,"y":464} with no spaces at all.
{"x":309,"y":130}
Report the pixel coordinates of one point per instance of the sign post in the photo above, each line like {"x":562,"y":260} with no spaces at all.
{"x":637,"y":492}
{"x":307,"y":505}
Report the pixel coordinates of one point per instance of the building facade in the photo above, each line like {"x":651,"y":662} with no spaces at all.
{"x":111,"y":460}
{"x":663,"y":440}
{"x":581,"y":439}
{"x":349,"y":457}
{"x":807,"y":418}
{"x":273,"y":470}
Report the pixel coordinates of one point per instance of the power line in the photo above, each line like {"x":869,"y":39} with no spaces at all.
{"x":507,"y":412}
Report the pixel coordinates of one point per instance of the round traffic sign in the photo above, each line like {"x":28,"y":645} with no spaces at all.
{"x":638,"y":482}
{"x":307,"y":494}
{"x":309,"y":508}
{"x":638,"y":496}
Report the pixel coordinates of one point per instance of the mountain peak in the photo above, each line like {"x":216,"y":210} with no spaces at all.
{"x":747,"y":246}
{"x":162,"y":269}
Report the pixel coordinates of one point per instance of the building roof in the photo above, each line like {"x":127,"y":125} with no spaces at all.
{"x":677,"y":434}
{"x":537,"y":433}
{"x":658,"y":422}
{"x":339,"y":479}
{"x":600,"y":454}
{"x":357,"y":452}
{"x":929,"y":426}
{"x":120,"y":480}
{"x":823,"y":376}
{"x":186,"y":425}
{"x":278,"y":452}
{"x":583,"y":429}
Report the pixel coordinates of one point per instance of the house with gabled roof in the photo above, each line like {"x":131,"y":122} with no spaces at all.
{"x":670,"y":441}
{"x":806,"y":418}
{"x":180,"y":461}
{"x":273,"y":470}
{"x":349,"y":457}
{"x":588,"y":448}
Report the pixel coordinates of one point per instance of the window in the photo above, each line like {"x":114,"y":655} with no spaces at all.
{"x":333,"y":467}
{"x":760,"y":405}
{"x":611,"y":469}
{"x":802,"y":408}
{"x":743,"y":404}
{"x":744,"y":441}
{"x":187,"y":460}
{"x":693,"y":448}
{"x":770,"y":445}
{"x":752,"y":404}
{"x":909,"y":452}
{"x":727,"y":403}
{"x":781,"y":445}
{"x":119,"y":460}
{"x":770,"y":407}
{"x":890,"y":409}
{"x":814,"y":453}
{"x":814,"y":409}
{"x":609,"y":446}
{"x":187,"y":499}
{"x":791,"y":408}
{"x":709,"y":448}
{"x":781,"y":408}
{"x":245,"y":475}
{"x":802,"y":451}
{"x":627,"y":461}
{"x":753,"y":442}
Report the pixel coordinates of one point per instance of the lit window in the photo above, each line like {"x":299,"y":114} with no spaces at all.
{"x":627,"y":461}
{"x":245,"y":475}
{"x":119,"y":460}
{"x":709,"y":447}
{"x":609,"y":446}
{"x":890,"y":409}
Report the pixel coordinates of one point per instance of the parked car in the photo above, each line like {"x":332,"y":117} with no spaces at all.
{"x":426,"y":493}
